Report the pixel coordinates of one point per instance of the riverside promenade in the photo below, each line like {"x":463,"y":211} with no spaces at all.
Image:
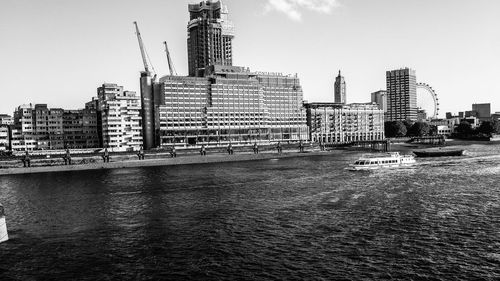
{"x":164,"y":161}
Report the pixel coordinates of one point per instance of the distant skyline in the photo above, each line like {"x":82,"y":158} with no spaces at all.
{"x":59,"y":51}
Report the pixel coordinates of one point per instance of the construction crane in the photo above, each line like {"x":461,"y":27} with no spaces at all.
{"x":170,"y":63}
{"x":144,"y":54}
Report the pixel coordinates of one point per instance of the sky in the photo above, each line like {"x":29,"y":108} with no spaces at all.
{"x":59,"y":51}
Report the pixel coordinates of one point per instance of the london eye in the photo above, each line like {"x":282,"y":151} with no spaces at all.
{"x":427,"y":100}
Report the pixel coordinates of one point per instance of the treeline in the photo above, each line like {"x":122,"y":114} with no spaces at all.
{"x":484,"y":130}
{"x":418,"y":129}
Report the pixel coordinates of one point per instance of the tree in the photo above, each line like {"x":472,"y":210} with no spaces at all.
{"x":419,"y":129}
{"x":433,"y":130}
{"x":464,"y":128}
{"x":496,"y":126}
{"x":408,"y":123}
{"x":395,"y":129}
{"x":486,"y":127}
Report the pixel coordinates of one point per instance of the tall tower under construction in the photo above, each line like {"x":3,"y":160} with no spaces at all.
{"x":209,"y":36}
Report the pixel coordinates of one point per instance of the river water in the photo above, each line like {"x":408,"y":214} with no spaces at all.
{"x":301,"y":218}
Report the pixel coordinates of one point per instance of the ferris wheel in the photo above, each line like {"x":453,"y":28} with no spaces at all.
{"x":427,"y":100}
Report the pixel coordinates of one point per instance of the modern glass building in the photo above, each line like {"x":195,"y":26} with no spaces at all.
{"x":230,"y":105}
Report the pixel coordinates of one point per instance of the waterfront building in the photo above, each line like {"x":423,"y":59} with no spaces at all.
{"x":401,"y":95}
{"x":80,"y":128}
{"x":6,"y":119}
{"x":230,"y":105}
{"x":218,"y":103}
{"x":41,"y":128}
{"x":120,"y":118}
{"x":380,"y":98}
{"x":341,"y":123}
{"x":482,"y":111}
{"x":340,"y":89}
{"x":4,"y":137}
{"x":48,"y":125}
{"x":22,"y":136}
{"x":210,"y":35}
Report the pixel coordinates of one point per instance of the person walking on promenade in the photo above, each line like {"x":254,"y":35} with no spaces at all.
{"x":172,"y":152}
{"x":321,"y":145}
{"x":105,"y":155}
{"x":230,"y":149}
{"x":278,"y":147}
{"x":301,"y":146}
{"x":203,"y":152}
{"x":255,"y":148}
{"x":67,"y":157}
{"x":26,"y":159}
{"x":140,"y":154}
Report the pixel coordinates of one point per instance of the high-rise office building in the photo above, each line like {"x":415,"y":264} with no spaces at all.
{"x":401,"y":95}
{"x":209,"y":36}
{"x":218,"y":103}
{"x":340,"y":89}
{"x":230,"y":105}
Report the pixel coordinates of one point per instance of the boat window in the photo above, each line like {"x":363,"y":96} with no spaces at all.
{"x":357,"y":162}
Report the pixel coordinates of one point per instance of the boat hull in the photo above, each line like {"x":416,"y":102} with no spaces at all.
{"x":3,"y":230}
{"x":439,"y":153}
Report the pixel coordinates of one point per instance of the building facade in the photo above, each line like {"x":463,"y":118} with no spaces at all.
{"x":48,"y":127}
{"x":41,"y":128}
{"x":6,"y":119}
{"x":120,"y":118}
{"x":482,"y":111}
{"x":80,"y":128}
{"x":4,"y":138}
{"x":380,"y":98}
{"x":340,"y":89}
{"x":341,"y":123}
{"x":210,"y":35}
{"x":401,"y":95}
{"x":230,"y":105}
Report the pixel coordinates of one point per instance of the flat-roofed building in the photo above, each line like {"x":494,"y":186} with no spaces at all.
{"x":482,"y":111}
{"x":230,"y":105}
{"x":4,"y":137}
{"x":6,"y":119}
{"x":120,"y":117}
{"x":342,"y":123}
{"x":401,"y":95}
{"x":48,"y":127}
{"x":80,"y":128}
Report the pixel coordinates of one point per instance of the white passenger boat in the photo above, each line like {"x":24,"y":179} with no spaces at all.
{"x":389,"y":160}
{"x":3,"y":226}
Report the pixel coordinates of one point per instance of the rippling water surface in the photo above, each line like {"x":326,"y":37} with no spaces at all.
{"x":302,"y":218}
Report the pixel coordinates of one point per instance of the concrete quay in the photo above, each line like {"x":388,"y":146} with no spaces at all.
{"x":183,"y":160}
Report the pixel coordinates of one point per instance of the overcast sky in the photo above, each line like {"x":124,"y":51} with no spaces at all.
{"x":59,"y":51}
